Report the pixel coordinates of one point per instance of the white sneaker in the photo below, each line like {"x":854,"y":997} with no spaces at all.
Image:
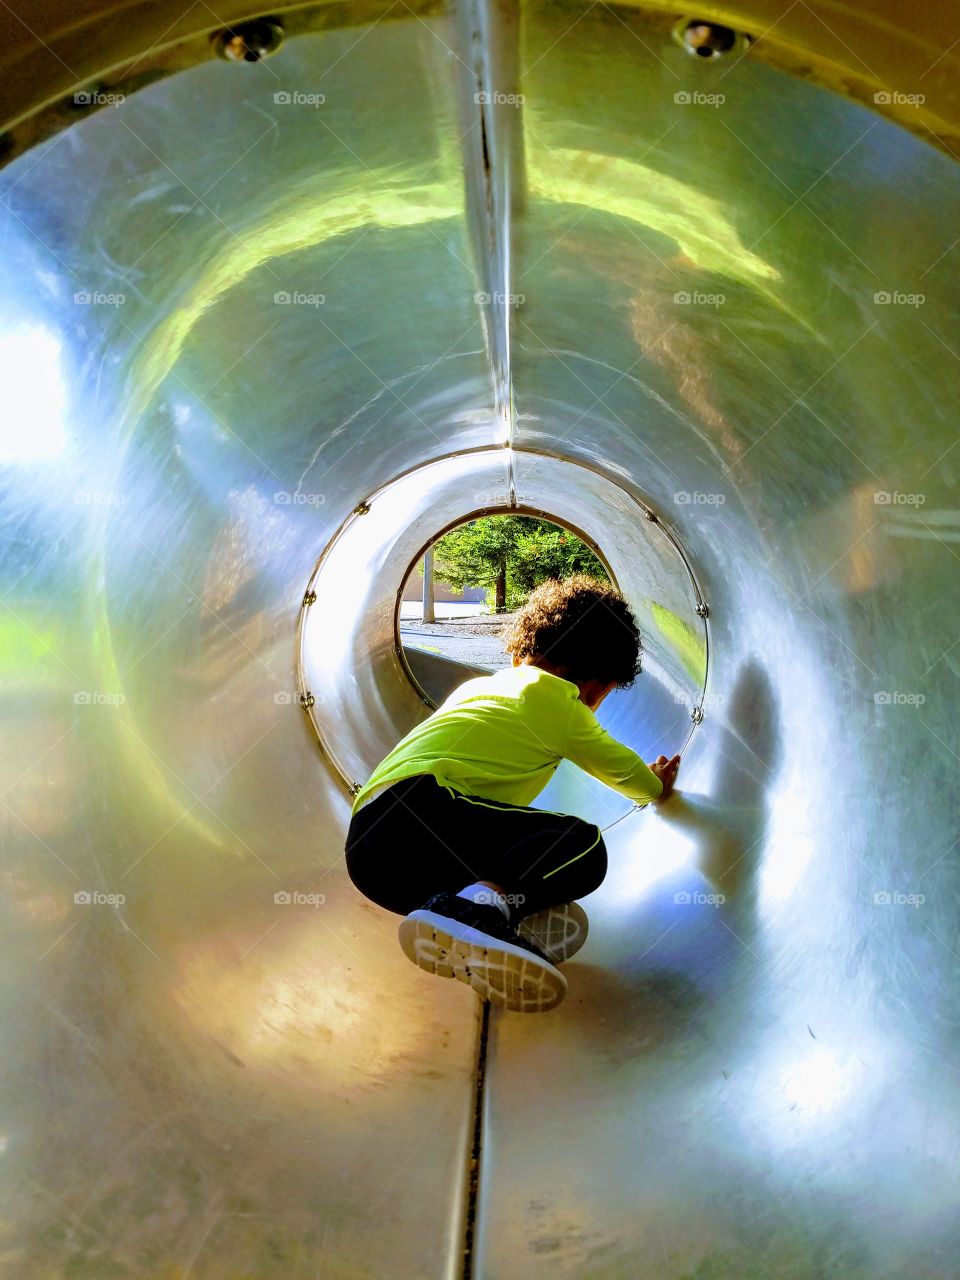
{"x":559,"y":932}
{"x":454,"y":938}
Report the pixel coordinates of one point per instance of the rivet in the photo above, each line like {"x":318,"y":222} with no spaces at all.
{"x":249,"y":41}
{"x":708,"y":39}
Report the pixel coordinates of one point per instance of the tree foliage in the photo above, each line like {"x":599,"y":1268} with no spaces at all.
{"x":510,"y":555}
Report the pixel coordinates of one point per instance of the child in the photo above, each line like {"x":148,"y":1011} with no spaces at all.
{"x":442,"y":833}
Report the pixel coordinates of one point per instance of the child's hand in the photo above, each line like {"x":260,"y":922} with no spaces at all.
{"x":666,"y":771}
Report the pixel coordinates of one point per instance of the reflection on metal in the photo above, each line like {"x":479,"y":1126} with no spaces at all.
{"x":221,"y":1062}
{"x":435,"y":676}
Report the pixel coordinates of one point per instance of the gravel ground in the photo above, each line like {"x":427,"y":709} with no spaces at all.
{"x":475,"y":641}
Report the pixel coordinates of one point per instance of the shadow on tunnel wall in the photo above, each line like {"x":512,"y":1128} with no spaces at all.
{"x":729,"y":826}
{"x":680,"y":957}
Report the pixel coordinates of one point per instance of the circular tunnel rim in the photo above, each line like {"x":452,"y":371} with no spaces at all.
{"x":633,"y":494}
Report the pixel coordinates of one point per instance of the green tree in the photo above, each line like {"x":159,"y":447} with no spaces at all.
{"x":510,"y":555}
{"x":544,"y":550}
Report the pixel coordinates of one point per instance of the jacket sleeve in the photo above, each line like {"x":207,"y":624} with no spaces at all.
{"x":588,"y":745}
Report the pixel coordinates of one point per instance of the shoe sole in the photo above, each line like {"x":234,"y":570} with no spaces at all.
{"x":560,"y":931}
{"x":508,"y":976}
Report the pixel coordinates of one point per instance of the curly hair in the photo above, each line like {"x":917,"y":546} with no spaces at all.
{"x":580,"y":625}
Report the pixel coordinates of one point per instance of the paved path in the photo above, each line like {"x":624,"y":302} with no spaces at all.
{"x":475,"y":641}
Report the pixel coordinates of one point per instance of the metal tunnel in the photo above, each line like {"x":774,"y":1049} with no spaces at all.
{"x":284,"y":296}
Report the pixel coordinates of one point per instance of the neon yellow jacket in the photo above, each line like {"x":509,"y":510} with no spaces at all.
{"x":502,"y":736}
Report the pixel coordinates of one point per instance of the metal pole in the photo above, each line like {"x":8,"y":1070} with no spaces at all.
{"x":428,"y":614}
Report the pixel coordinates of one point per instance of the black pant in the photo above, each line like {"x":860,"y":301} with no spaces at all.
{"x":419,"y":837}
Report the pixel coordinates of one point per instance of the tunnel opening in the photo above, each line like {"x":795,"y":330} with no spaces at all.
{"x":451,"y":640}
{"x":361,"y":693}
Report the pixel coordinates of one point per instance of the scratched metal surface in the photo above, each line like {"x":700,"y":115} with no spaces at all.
{"x":207,"y":1081}
{"x":202,"y":1080}
{"x":765,"y":1086}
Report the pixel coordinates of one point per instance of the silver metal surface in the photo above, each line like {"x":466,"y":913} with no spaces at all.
{"x":232,"y":313}
{"x":765,"y":1085}
{"x":203,"y":1080}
